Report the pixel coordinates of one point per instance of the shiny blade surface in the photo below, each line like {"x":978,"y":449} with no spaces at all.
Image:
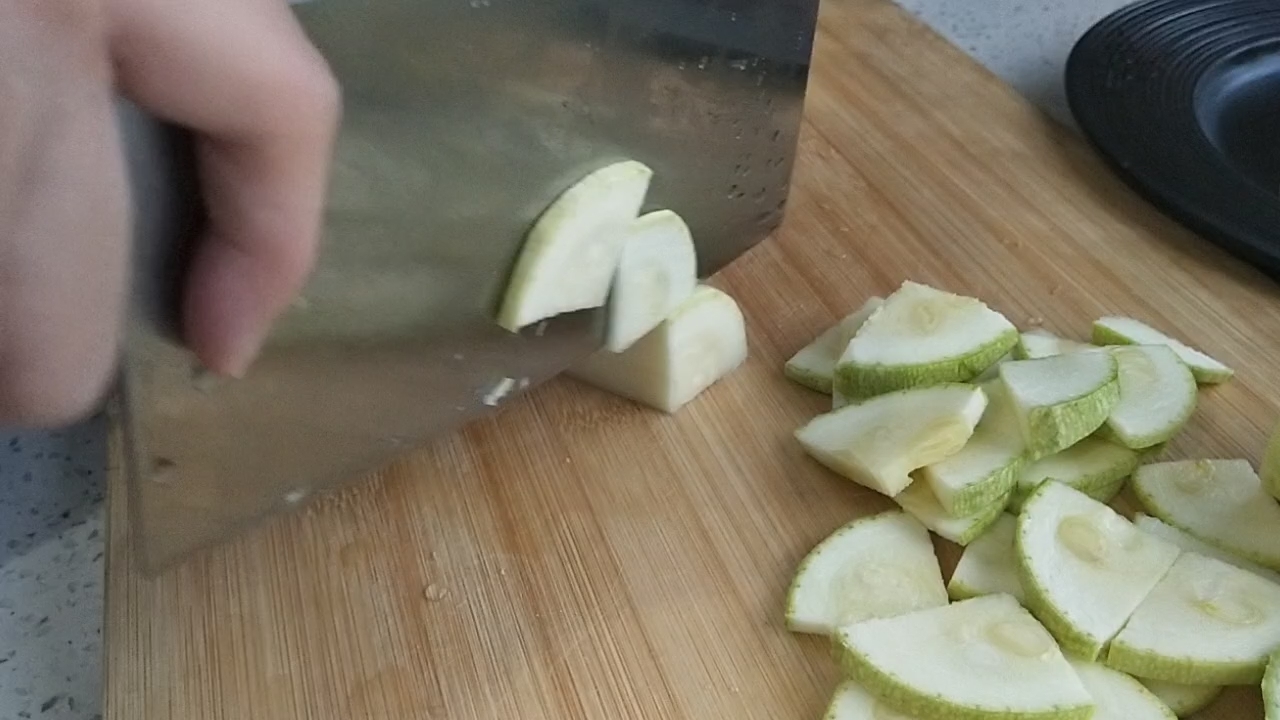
{"x":463,"y":119}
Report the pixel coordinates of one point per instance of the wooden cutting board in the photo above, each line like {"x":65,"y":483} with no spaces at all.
{"x":579,"y":557}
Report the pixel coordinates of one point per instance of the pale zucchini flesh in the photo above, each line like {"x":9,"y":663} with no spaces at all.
{"x":919,"y":501}
{"x":814,"y":365}
{"x":1036,"y":344}
{"x":922,"y":336}
{"x":1033,"y":345}
{"x":1220,"y":502}
{"x":1157,"y":396}
{"x":874,"y":567}
{"x":989,"y":564}
{"x":878,"y":443}
{"x":701,"y":342}
{"x":1117,"y":696}
{"x":570,"y":255}
{"x":986,"y":468}
{"x":981,"y":659}
{"x":658,"y":270}
{"x":1204,"y":623}
{"x":1190,"y":543}
{"x":1061,"y":399}
{"x":1084,"y":567}
{"x":1127,"y":331}
{"x":1094,"y":466}
{"x":1183,"y":700}
{"x":852,"y":702}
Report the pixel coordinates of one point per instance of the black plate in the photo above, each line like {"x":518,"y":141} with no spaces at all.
{"x":1183,"y":98}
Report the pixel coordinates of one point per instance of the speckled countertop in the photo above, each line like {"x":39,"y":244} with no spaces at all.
{"x":51,"y":484}
{"x":1026,"y":42}
{"x":51,"y":545}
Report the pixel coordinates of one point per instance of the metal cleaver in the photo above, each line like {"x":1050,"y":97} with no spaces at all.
{"x":463,"y":120}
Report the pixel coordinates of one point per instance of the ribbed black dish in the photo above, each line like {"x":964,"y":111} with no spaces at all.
{"x":1183,"y":98}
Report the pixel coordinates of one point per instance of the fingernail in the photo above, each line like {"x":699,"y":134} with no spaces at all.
{"x":243,"y":351}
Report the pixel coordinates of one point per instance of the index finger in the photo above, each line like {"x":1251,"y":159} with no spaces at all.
{"x":265,"y":108}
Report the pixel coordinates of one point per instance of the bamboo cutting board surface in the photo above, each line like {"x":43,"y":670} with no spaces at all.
{"x":579,"y":557}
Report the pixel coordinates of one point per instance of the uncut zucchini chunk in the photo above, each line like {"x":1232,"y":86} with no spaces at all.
{"x":1084,"y":567}
{"x":989,"y":564}
{"x":1218,"y":501}
{"x":1183,"y":700}
{"x":814,"y":366}
{"x":918,"y":500}
{"x":878,"y":443}
{"x":571,"y":253}
{"x":1127,"y":331}
{"x":1036,"y":344}
{"x":657,"y":271}
{"x":980,"y":659}
{"x":874,"y":567}
{"x":1117,"y":696}
{"x":986,"y":468}
{"x":1190,"y":543}
{"x":1157,"y":396}
{"x":1093,"y":466}
{"x":1061,"y":399}
{"x":1205,"y":623}
{"x":704,"y":340}
{"x":922,"y":336}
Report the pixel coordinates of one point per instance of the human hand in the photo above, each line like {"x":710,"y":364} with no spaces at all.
{"x":264,"y":110}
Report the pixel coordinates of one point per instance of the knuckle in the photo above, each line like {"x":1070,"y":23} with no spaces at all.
{"x":324,"y":91}
{"x":317,"y":96}
{"x":307,"y":91}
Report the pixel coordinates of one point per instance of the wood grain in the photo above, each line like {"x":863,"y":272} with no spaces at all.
{"x":579,"y":557}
